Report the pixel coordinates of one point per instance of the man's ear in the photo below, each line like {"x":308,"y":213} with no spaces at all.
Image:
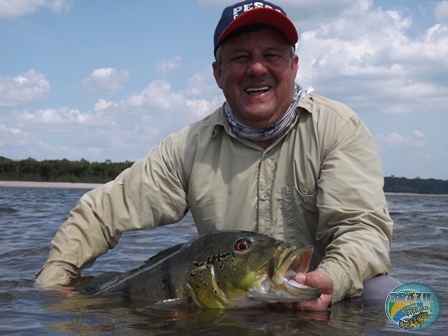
{"x":217,"y":73}
{"x":295,"y":65}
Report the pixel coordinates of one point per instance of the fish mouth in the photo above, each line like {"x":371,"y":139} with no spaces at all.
{"x":278,"y":284}
{"x":287,"y":262}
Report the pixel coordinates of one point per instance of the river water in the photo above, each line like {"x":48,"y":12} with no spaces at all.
{"x":29,"y":219}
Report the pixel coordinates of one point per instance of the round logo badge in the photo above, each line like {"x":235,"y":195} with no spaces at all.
{"x":413,"y":306}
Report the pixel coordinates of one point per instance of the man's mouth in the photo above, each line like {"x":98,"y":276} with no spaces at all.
{"x":259,"y":90}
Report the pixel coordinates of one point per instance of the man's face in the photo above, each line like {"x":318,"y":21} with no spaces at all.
{"x":257,"y":75}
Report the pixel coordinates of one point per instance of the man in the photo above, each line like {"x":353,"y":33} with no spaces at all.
{"x":274,"y":158}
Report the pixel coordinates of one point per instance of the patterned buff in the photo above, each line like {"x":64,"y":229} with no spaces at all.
{"x":272,"y":131}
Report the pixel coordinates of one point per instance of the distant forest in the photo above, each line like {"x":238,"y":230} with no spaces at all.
{"x":100,"y":172}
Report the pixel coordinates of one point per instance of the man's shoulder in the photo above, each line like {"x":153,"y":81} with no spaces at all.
{"x":204,"y":128}
{"x":321,"y":106}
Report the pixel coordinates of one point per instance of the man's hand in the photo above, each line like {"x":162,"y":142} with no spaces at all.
{"x":68,"y":291}
{"x":319,"y":280}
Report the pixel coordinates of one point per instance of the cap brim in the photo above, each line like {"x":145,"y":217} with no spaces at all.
{"x":266,"y":16}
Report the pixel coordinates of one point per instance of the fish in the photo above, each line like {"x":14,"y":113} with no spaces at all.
{"x":416,"y":320}
{"x":227,"y":269}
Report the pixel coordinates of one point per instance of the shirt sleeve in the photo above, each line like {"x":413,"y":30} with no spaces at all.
{"x":354,"y":222}
{"x":150,"y":193}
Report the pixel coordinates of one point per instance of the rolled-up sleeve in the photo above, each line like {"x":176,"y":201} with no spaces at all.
{"x":354,"y":222}
{"x":148,"y":194}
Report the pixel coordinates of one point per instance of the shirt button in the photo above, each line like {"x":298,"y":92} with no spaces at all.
{"x":264,"y":196}
{"x":305,"y":190}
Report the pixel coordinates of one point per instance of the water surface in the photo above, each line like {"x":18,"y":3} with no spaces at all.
{"x":29,"y":219}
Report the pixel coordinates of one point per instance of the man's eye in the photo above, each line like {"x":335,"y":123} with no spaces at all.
{"x":240,"y":58}
{"x":272,"y":56}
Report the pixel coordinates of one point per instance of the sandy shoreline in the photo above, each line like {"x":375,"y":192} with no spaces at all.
{"x":47,"y":185}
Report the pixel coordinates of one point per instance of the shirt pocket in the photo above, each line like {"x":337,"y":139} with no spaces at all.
{"x":306,"y":196}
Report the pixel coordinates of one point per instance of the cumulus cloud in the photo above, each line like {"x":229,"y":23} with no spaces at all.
{"x":165,"y":66}
{"x":12,"y":136}
{"x":107,"y":80}
{"x":441,"y":11}
{"x":157,"y":95}
{"x":199,"y":98}
{"x":370,"y":49}
{"x":418,"y":134}
{"x":396,"y":140}
{"x":59,"y":116}
{"x":25,"y":88}
{"x":11,"y":9}
{"x":103,"y":104}
{"x":128,"y":128}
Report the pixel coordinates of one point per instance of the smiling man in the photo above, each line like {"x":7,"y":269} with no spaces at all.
{"x":275,"y":158}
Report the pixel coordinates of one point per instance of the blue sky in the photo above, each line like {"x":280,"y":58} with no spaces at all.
{"x":108,"y":79}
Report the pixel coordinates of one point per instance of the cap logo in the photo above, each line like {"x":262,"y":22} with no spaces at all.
{"x":246,"y":7}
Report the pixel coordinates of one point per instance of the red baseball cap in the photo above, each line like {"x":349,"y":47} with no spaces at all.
{"x":247,"y":13}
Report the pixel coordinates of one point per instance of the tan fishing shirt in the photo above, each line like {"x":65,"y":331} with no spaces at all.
{"x":320,"y":183}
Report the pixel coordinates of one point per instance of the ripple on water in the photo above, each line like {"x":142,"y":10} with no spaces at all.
{"x":30,"y":218}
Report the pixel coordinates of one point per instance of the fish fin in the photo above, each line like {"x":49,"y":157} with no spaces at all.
{"x":162,"y":255}
{"x":97,"y":284}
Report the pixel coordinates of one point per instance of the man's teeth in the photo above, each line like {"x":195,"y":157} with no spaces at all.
{"x":258,"y":90}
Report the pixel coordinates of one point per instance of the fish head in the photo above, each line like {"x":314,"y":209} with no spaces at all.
{"x":240,"y":269}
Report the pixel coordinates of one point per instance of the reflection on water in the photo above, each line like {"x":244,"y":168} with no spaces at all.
{"x":29,"y":219}
{"x":104,"y":315}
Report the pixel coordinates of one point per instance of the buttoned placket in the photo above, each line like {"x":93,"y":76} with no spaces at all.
{"x":265,"y":177}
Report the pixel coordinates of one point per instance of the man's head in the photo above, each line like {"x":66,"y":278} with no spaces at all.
{"x":255,"y":61}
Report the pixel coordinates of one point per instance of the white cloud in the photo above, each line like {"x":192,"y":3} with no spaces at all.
{"x":104,"y":105}
{"x":441,"y":11}
{"x":199,"y":97}
{"x":59,"y":116}
{"x":369,"y":50}
{"x":25,"y":88}
{"x":418,"y":134}
{"x":157,"y":95}
{"x":159,"y":101}
{"x":11,"y":9}
{"x":107,"y":80}
{"x":200,"y":107}
{"x":396,"y":140}
{"x":29,"y":142}
{"x":165,"y":66}
{"x":12,"y":136}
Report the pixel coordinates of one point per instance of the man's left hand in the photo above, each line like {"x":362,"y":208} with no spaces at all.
{"x":316,"y":279}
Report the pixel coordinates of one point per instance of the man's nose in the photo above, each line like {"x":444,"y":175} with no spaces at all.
{"x":257,"y":66}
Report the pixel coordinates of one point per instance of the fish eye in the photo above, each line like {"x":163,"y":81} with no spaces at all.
{"x":242,"y":245}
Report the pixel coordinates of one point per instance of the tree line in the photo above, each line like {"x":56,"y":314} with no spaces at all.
{"x":84,"y":171}
{"x":415,"y":185}
{"x":63,"y":170}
